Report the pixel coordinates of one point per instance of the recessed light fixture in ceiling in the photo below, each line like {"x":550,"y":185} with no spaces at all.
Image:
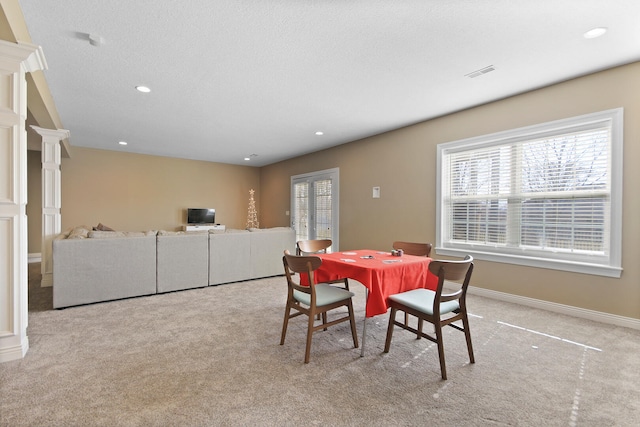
{"x":319,"y":133}
{"x":143,"y":89}
{"x":123,"y":143}
{"x":595,"y":32}
{"x":250,"y":157}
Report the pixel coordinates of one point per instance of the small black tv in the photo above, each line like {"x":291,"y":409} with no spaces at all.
{"x":198,"y":216}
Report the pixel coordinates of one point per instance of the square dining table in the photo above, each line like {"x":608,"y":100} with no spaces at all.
{"x":381,"y":273}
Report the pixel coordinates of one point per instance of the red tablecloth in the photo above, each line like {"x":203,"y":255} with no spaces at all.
{"x":383,"y":274}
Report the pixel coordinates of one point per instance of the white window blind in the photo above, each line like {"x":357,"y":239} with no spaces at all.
{"x":314,"y":205}
{"x":323,"y":209}
{"x":301,"y":210}
{"x":546,"y":195}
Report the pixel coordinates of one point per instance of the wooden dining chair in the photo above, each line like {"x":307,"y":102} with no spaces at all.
{"x":319,"y":246}
{"x":437,"y":307}
{"x":310,"y":247}
{"x":313,"y":300}
{"x":410,"y":248}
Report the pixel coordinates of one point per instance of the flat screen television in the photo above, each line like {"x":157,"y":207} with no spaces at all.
{"x":198,"y":216}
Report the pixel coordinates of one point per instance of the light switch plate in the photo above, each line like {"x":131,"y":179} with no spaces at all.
{"x":376,"y":192}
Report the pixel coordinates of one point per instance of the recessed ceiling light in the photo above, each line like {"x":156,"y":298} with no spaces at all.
{"x":595,"y":32}
{"x":319,"y":133}
{"x":247,"y":158}
{"x":122,"y":143}
{"x":143,"y":89}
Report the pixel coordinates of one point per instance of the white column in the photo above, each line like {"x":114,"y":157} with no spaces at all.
{"x":16,"y":59}
{"x":51,"y":197}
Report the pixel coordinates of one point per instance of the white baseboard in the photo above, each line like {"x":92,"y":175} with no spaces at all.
{"x":15,"y":352}
{"x":36,"y":257}
{"x":583,"y":313}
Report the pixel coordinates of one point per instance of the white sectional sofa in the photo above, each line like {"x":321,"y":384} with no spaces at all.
{"x":229,"y":253}
{"x":94,"y":266}
{"x":182,"y":260}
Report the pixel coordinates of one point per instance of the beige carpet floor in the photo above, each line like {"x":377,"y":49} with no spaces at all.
{"x":211,"y":357}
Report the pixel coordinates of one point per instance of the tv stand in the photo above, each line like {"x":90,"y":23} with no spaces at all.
{"x":202,"y":227}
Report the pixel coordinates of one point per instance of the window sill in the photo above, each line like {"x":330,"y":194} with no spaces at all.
{"x":556,"y":264}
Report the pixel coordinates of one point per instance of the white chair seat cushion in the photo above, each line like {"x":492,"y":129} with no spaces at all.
{"x":422,"y":300}
{"x":325,"y":295}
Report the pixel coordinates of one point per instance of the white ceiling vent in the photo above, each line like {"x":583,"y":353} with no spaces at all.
{"x":480,"y":72}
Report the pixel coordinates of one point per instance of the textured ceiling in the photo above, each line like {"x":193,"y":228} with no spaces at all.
{"x":233,"y":78}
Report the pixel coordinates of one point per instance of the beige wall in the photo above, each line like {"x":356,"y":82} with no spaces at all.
{"x":140,"y":192}
{"x":34,"y":201}
{"x":403,"y":164}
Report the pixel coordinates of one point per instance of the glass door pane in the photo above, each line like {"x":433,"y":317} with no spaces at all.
{"x":301,"y":210}
{"x":314,"y":206}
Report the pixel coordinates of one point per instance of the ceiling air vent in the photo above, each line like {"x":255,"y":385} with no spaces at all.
{"x":480,"y":72}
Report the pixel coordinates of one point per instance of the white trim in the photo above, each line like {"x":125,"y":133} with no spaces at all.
{"x":608,"y":266}
{"x":35,"y":257}
{"x":334,"y":175}
{"x":532,"y":261}
{"x":596,"y":316}
{"x":16,"y":352}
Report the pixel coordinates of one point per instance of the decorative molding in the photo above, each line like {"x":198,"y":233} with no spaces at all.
{"x":57,"y":134}
{"x":36,"y":61}
{"x":51,"y":196}
{"x":47,"y":280}
{"x":13,"y":188}
{"x":35,"y":257}
{"x":596,"y":316}
{"x":16,"y":352}
{"x":30,"y":55}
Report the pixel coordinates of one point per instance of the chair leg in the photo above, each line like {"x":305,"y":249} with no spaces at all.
{"x":309,"y":336}
{"x":352,"y":320}
{"x":443,"y":368}
{"x":420,"y":325}
{"x":324,"y":319}
{"x":287,"y":311}
{"x":387,"y":342}
{"x":467,"y":334}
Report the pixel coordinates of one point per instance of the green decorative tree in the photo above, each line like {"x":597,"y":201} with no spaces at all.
{"x":252,"y":216}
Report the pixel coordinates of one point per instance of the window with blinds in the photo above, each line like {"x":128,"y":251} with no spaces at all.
{"x":547,"y":195}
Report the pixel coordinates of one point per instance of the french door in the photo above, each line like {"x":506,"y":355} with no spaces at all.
{"x":314,"y":205}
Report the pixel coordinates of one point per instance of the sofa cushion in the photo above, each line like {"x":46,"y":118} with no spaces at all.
{"x":102,"y":227}
{"x":233,"y":230}
{"x":80,"y":232}
{"x":112,"y":234}
{"x":270,"y":229}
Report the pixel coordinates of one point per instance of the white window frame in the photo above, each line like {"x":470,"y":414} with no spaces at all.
{"x":609,"y":265}
{"x":332,"y":174}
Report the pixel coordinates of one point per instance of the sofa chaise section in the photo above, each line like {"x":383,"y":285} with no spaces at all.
{"x":267,"y":248}
{"x":89,"y":270}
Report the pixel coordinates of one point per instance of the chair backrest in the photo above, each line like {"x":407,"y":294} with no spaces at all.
{"x":458,"y":272}
{"x":410,"y":248}
{"x":312,"y":246}
{"x":302,"y":265}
